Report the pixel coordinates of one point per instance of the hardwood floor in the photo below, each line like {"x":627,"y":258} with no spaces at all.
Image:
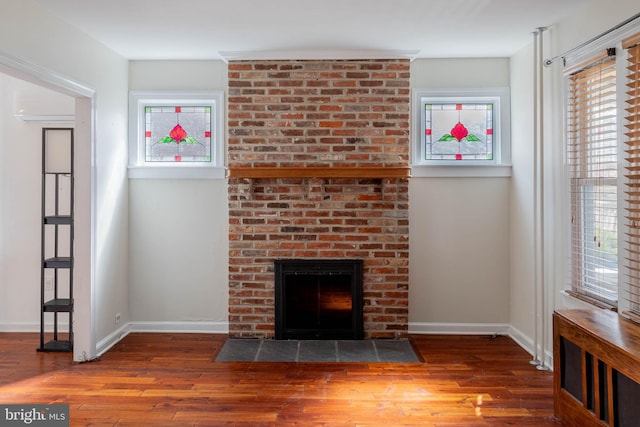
{"x":172,"y":380}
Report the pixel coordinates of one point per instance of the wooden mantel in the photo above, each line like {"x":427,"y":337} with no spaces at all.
{"x":319,"y":172}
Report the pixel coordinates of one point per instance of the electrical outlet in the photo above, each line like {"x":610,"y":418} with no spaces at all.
{"x":117,"y":318}
{"x":48,"y":283}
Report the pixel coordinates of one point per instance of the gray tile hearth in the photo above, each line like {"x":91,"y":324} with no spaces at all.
{"x":260,"y":350}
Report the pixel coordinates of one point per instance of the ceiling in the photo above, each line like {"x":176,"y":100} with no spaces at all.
{"x":277,"y":29}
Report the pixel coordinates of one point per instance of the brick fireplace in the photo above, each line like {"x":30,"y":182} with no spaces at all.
{"x":318,"y":155}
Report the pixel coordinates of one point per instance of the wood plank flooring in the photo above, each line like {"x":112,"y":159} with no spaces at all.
{"x":173,"y":380}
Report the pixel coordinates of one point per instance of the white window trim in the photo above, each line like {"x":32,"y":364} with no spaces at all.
{"x":500,"y":166}
{"x":581,"y":55}
{"x":138,"y":168}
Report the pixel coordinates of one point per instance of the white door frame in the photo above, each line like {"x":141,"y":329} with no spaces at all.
{"x":84,"y":242}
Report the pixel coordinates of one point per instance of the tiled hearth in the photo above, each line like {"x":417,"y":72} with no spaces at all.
{"x":318,"y":168}
{"x":387,"y":351}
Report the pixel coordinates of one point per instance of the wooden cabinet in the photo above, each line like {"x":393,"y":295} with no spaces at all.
{"x":596,"y":360}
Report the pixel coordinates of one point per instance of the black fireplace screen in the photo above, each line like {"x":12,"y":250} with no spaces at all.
{"x":318,"y":299}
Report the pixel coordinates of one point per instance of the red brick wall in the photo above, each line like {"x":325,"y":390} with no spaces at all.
{"x":318,"y":114}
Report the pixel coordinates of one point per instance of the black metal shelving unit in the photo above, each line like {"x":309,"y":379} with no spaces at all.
{"x":56,"y":283}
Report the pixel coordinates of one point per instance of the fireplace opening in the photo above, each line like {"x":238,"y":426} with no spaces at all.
{"x":318,"y":299}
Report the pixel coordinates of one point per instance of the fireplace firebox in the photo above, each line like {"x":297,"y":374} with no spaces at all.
{"x":318,"y":299}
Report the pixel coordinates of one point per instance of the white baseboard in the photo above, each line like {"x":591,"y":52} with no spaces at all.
{"x":526,"y":343}
{"x":520,"y":338}
{"x":112,"y":339}
{"x":417,"y":328}
{"x":459,"y":328}
{"x":160,"y":327}
{"x":183,"y":327}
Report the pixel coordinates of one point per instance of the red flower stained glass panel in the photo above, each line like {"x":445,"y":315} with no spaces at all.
{"x":458,"y":131}
{"x":177,"y":134}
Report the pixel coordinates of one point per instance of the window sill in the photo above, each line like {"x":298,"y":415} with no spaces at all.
{"x":460,"y":171}
{"x":571,"y":301}
{"x":176,"y":172}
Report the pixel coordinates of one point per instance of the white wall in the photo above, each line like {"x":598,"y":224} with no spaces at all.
{"x":568,"y":34}
{"x":491,"y":285}
{"x":597,"y":18}
{"x":45,"y":43}
{"x":459,"y":268}
{"x":178,"y":236}
{"x":20,"y":198}
{"x":522,"y":316}
{"x":459,"y":272}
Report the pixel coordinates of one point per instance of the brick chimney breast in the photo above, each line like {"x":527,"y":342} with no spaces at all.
{"x":345,"y":115}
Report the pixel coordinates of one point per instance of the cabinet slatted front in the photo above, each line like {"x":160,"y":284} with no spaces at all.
{"x":596,"y":358}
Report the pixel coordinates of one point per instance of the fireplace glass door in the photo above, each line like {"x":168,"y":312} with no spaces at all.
{"x":319,"y":299}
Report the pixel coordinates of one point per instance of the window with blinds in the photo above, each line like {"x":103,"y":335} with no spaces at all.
{"x":593,"y":163}
{"x":632,"y":181}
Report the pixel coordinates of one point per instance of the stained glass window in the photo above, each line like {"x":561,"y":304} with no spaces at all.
{"x":459,"y":131}
{"x":178,"y":133}
{"x":462,"y":127}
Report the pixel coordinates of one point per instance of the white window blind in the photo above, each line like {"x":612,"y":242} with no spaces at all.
{"x":592,"y":160}
{"x":632,"y":166}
